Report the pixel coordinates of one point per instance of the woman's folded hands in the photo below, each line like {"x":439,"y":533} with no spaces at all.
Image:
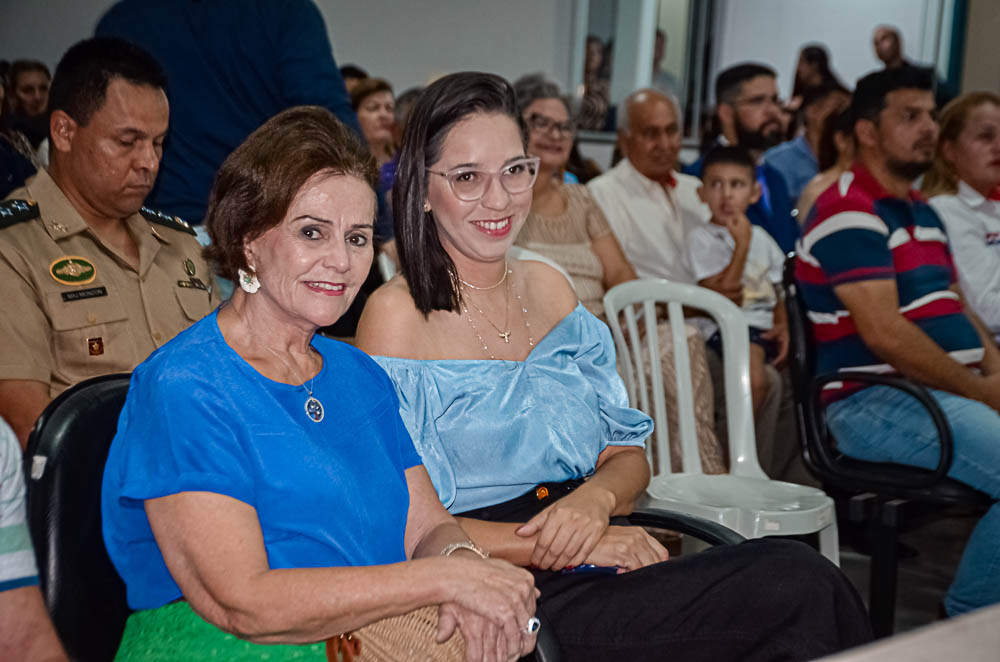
{"x":575,"y":530}
{"x":491,"y":602}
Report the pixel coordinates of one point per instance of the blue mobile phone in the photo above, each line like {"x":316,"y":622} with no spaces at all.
{"x":590,"y":567}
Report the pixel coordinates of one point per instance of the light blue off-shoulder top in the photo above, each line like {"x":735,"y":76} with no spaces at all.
{"x":489,"y":431}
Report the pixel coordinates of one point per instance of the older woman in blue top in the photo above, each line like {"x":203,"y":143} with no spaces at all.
{"x":508,"y":387}
{"x":261,"y":473}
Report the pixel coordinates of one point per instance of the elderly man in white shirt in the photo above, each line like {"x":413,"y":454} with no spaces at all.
{"x":651,"y":207}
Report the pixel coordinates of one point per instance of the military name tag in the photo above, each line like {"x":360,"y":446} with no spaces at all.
{"x":90,"y":293}
{"x":73,"y":270}
{"x":194,"y":282}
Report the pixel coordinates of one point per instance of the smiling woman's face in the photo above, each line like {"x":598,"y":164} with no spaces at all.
{"x":312,"y":264}
{"x":484,"y":229}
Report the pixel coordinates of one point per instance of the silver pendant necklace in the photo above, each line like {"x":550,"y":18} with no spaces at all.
{"x":313,"y":407}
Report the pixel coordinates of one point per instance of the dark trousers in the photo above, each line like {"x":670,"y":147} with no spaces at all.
{"x":760,"y":600}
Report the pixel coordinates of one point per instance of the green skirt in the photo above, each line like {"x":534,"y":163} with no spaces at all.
{"x":175,"y":632}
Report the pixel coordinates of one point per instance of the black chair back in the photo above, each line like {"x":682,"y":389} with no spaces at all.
{"x":819,"y":448}
{"x":64,"y":465}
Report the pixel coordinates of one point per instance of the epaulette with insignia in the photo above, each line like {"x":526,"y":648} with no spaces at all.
{"x":13,"y":212}
{"x":154,"y":216}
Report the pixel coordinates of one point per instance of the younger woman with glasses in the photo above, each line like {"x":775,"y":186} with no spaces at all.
{"x":567,"y":226}
{"x":508,"y":387}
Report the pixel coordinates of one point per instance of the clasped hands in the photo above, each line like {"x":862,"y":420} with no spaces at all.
{"x":575,"y":530}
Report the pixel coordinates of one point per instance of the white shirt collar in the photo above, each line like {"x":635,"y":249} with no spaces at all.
{"x":969,"y":195}
{"x":650,"y":186}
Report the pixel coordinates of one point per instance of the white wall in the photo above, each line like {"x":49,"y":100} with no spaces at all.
{"x":409,"y":42}
{"x":772,"y":31}
{"x":44,"y":29}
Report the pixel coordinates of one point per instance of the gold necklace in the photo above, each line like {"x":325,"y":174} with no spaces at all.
{"x":502,"y":334}
{"x":488,"y":287}
{"x":505,"y":335}
{"x":524,"y":313}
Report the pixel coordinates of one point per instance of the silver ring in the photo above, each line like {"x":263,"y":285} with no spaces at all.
{"x":534,"y":625}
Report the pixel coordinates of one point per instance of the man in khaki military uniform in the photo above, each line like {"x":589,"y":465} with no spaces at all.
{"x":93,"y":282}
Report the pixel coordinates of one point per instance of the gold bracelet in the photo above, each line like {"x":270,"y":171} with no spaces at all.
{"x":465,"y":544}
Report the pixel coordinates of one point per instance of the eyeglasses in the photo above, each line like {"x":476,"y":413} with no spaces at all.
{"x":545,"y":124}
{"x":470,"y":184}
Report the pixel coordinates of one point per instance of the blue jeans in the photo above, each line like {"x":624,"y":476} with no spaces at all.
{"x":883,"y":424}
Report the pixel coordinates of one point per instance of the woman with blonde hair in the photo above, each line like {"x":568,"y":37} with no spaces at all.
{"x":964,"y":188}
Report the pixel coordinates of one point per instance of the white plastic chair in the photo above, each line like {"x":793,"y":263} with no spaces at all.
{"x":521,"y":253}
{"x":745,"y":499}
{"x":386,"y":266}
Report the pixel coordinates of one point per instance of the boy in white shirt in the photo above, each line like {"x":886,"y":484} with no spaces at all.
{"x":729,"y":252}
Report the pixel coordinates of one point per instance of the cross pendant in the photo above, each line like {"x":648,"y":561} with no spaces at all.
{"x":505,"y":336}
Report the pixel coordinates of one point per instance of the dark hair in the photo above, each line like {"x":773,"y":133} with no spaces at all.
{"x":428,"y":269}
{"x":404,"y":104}
{"x":82,"y":75}
{"x":840,"y":122}
{"x":817,"y":93}
{"x":729,"y":82}
{"x":871,"y":91}
{"x":729,"y":155}
{"x":257,"y":183}
{"x":352,"y":71}
{"x":816,"y":55}
{"x":367,"y":87}
{"x":23,"y":66}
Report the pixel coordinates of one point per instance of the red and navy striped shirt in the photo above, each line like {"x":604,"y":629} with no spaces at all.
{"x":858,"y":231}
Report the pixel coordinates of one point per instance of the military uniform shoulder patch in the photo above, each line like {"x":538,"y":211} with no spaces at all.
{"x":13,"y":212}
{"x":173,"y":222}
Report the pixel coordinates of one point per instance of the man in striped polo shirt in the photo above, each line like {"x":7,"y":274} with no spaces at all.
{"x":877,"y":276}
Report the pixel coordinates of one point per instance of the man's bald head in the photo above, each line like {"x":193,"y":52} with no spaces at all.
{"x":888,"y":45}
{"x":649,"y":132}
{"x":642,"y":97}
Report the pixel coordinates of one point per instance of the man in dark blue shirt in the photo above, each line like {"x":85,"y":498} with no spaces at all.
{"x":749,"y":114}
{"x":230,"y":66}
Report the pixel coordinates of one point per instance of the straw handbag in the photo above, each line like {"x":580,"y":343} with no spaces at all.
{"x":410,"y":637}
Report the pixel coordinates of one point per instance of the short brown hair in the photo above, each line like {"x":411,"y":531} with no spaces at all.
{"x":257,"y":183}
{"x":942,"y":178}
{"x":366,"y":87}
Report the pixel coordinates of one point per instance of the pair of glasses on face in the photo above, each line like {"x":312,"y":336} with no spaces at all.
{"x":545,"y":124}
{"x":471,"y":184}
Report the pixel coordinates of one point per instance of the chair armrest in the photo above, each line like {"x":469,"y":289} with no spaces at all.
{"x":702,"y":529}
{"x":547,"y":648}
{"x":922,"y":395}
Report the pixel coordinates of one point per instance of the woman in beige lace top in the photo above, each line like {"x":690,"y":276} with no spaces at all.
{"x":566,"y":226}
